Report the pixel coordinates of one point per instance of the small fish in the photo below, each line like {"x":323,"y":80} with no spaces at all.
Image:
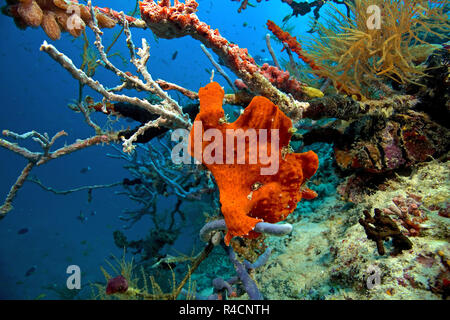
{"x":174,"y":55}
{"x":285,"y":19}
{"x":90,"y":195}
{"x":221,"y":62}
{"x":40,"y":297}
{"x":245,"y":24}
{"x":82,"y":217}
{"x":170,"y":261}
{"x":22,"y":231}
{"x":30,"y":271}
{"x":84,"y":170}
{"x":260,"y":60}
{"x":93,"y":213}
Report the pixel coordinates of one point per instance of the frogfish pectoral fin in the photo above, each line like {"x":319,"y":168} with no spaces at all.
{"x":238,"y":223}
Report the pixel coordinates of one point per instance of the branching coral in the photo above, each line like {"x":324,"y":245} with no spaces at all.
{"x":291,"y":42}
{"x":171,"y":108}
{"x":354,"y":52}
{"x":247,"y":197}
{"x":39,"y":158}
{"x":172,"y":115}
{"x":179,"y":20}
{"x":157,"y":176}
{"x":380,"y":228}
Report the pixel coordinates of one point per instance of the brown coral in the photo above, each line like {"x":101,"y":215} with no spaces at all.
{"x":50,"y":25}
{"x":380,"y":228}
{"x":30,"y":12}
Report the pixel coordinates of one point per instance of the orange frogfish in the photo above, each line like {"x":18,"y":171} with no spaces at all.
{"x":259,"y":178}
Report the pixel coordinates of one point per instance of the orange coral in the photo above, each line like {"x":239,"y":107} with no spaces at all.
{"x":295,"y":46}
{"x":291,"y":42}
{"x":246,"y":195}
{"x":178,"y":20}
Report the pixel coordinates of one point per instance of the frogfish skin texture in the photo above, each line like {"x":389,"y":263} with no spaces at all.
{"x":247,"y":196}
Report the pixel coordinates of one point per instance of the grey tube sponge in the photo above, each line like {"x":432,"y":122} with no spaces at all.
{"x":262,"y":227}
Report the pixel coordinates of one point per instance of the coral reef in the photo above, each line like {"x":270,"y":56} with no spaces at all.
{"x":328,"y":255}
{"x":408,"y":211}
{"x":433,"y":88}
{"x":381,"y":144}
{"x":382,"y":136}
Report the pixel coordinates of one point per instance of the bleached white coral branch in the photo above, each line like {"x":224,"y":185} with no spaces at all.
{"x":128,"y":143}
{"x":173,"y":119}
{"x":148,"y":85}
{"x":170,"y":113}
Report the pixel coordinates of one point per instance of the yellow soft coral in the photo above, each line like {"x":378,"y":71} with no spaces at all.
{"x":354,"y":54}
